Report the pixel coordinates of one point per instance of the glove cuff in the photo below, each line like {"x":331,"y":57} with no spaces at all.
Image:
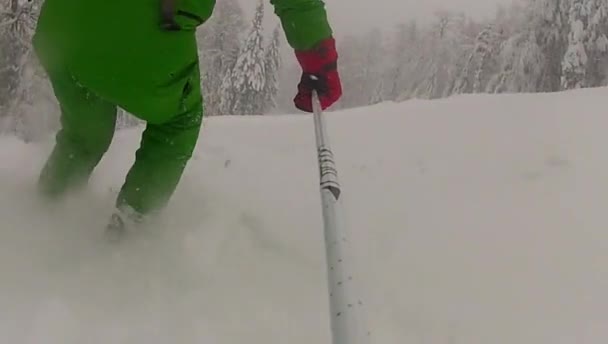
{"x":322,"y":58}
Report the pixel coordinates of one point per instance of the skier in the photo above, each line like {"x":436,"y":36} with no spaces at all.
{"x":142,"y":56}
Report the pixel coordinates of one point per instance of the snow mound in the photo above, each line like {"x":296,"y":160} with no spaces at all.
{"x":476,"y":219}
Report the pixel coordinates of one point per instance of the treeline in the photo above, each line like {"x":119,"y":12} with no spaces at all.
{"x":239,"y":62}
{"x":530,"y":46}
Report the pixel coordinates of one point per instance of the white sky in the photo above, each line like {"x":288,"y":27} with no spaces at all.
{"x":358,"y":15}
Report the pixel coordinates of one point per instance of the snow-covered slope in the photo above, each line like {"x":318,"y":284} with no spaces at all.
{"x":476,"y":219}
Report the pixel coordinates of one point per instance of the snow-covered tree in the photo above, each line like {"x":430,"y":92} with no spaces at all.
{"x":247,"y":80}
{"x":404,"y":55}
{"x":219,"y":41}
{"x":585,"y":60}
{"x":521,"y":65}
{"x":575,"y":59}
{"x":272,"y":65}
{"x":481,"y":63}
{"x":548,"y":22}
{"x":443,"y":56}
{"x":376,"y":60}
{"x":20,"y":76}
{"x":530,"y":59}
{"x":596,"y":42}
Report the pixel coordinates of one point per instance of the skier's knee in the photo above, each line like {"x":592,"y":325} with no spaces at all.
{"x":91,"y":146}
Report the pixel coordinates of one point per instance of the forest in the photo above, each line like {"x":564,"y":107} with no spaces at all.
{"x":529,"y":46}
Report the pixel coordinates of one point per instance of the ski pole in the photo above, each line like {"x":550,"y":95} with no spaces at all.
{"x":347,"y":313}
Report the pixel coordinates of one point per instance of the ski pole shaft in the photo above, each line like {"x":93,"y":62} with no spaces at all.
{"x":347,"y":312}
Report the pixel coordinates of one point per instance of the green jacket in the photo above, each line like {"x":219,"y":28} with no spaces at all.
{"x":117,"y":49}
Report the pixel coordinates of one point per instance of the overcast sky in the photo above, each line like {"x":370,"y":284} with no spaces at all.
{"x":354,"y":15}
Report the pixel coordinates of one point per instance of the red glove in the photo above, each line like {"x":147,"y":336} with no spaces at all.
{"x":319,"y":72}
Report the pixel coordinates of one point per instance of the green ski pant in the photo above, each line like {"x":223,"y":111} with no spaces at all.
{"x":87,"y":128}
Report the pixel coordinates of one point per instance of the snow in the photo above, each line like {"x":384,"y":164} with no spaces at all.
{"x":476,"y":219}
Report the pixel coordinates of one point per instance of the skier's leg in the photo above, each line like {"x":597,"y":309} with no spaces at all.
{"x":163,"y":155}
{"x":87,"y":128}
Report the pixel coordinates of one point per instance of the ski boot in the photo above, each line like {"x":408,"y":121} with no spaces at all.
{"x":122,"y":222}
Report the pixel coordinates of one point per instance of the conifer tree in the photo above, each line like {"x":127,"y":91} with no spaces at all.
{"x":248,"y":77}
{"x":272,"y":65}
